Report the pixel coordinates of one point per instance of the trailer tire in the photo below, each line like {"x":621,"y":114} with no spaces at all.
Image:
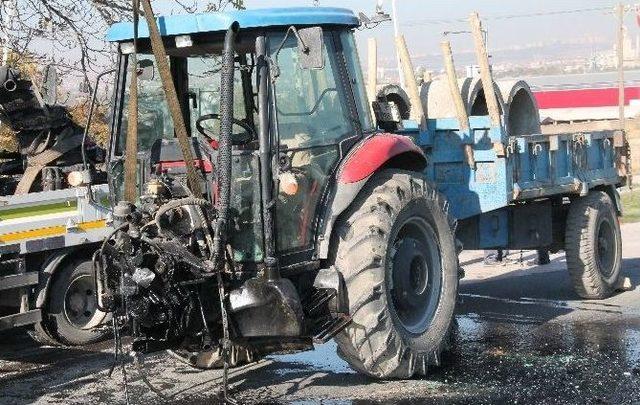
{"x":71,"y":315}
{"x":396,"y":250}
{"x":593,"y":246}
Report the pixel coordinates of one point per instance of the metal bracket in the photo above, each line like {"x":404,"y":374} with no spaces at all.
{"x":537,"y":149}
{"x":618,"y":139}
{"x":499,"y":149}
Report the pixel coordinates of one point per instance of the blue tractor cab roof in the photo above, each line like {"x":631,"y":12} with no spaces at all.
{"x":219,"y":22}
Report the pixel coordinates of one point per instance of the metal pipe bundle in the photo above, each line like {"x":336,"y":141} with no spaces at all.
{"x":516,"y":103}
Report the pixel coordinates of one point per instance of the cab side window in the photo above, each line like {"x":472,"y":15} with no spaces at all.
{"x":311,"y":106}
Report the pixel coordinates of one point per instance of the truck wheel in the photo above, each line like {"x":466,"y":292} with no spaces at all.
{"x":593,"y":246}
{"x":72,"y":316}
{"x":396,"y":250}
{"x":41,"y":335}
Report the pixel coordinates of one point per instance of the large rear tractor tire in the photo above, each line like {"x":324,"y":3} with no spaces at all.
{"x":396,"y":250}
{"x":593,"y":246}
{"x":70,"y":315}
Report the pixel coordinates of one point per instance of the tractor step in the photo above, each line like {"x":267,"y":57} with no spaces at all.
{"x":330,"y":328}
{"x":327,"y":324}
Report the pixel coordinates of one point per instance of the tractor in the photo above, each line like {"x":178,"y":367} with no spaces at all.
{"x":260,"y":208}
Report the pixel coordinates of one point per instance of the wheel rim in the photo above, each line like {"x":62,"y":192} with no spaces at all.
{"x":416,"y":275}
{"x":80,"y":305}
{"x":606,"y":247}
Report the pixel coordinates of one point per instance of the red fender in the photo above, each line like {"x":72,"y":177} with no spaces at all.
{"x":372,"y":153}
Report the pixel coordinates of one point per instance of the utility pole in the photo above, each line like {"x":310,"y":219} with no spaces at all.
{"x":7,"y":15}
{"x":396,"y":31}
{"x":620,"y":51}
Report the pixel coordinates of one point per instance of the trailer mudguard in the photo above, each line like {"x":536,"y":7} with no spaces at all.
{"x":615,"y":197}
{"x":366,"y":158}
{"x":49,"y":267}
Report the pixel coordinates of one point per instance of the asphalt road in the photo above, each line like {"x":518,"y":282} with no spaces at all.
{"x":522,"y":337}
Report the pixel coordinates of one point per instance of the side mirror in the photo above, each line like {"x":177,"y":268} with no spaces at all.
{"x":146,"y":70}
{"x":311,"y":48}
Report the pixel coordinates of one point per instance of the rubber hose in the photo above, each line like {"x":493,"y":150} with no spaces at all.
{"x":172,"y":205}
{"x":226,"y":126}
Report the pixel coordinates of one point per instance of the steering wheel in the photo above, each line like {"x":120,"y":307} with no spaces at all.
{"x":236,"y":138}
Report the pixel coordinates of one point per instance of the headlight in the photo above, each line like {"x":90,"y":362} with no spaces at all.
{"x":77,"y":179}
{"x":288,"y":183}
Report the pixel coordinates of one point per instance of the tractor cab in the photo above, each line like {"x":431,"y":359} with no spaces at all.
{"x":309,"y":102}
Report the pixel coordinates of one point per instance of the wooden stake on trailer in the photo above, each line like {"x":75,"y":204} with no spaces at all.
{"x":485,"y":70}
{"x":456,"y":94}
{"x":417,"y":112}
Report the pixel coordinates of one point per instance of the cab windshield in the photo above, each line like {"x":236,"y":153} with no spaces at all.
{"x":196,"y":75}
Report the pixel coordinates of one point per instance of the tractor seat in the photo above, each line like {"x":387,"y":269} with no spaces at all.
{"x":166,"y":156}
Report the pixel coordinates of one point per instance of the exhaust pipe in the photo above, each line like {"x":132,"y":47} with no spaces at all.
{"x":9,"y":77}
{"x":268,"y":305}
{"x":224,"y":146}
{"x":10,"y":85}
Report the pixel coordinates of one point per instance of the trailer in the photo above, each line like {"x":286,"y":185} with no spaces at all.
{"x":518,"y":197}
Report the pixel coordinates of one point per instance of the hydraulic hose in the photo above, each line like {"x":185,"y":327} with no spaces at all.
{"x":172,"y":205}
{"x":224,"y":148}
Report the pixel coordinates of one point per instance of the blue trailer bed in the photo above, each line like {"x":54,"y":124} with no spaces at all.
{"x":507,"y":199}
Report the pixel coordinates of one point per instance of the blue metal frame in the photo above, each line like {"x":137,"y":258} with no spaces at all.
{"x":220,"y":22}
{"x":532,"y":166}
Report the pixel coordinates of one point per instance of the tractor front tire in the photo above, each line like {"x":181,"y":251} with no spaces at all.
{"x":397,"y":253}
{"x":593,"y":245}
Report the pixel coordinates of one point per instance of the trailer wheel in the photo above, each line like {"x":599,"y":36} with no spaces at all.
{"x":593,"y":246}
{"x":396,"y":250}
{"x":71,"y":314}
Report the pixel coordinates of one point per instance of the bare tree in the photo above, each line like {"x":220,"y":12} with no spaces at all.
{"x":70,"y":33}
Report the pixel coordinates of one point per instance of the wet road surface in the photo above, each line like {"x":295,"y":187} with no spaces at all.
{"x":522,"y":337}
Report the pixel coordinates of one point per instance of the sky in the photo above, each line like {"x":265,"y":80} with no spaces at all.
{"x":424,"y":21}
{"x":533,"y":37}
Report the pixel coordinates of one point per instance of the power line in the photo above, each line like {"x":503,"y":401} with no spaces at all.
{"x":413,"y":23}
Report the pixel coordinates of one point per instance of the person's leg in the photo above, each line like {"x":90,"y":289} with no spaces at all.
{"x":543,"y":257}
{"x":492,"y":257}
